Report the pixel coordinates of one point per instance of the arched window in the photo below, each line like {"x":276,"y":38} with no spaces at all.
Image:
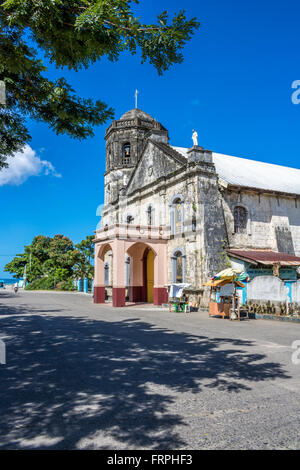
{"x":129,"y":219}
{"x":126,"y":154}
{"x":178,"y":267}
{"x":150,"y":215}
{"x":240,"y":216}
{"x":177,"y":215}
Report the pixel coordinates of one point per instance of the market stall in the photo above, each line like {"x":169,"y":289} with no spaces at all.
{"x":178,"y":300}
{"x":224,"y":300}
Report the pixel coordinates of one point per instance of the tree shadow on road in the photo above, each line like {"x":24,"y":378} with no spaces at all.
{"x":70,"y":382}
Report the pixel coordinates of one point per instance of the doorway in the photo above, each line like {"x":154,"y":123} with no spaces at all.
{"x":150,"y":276}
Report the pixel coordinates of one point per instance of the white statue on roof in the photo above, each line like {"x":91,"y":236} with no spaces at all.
{"x":195,"y":137}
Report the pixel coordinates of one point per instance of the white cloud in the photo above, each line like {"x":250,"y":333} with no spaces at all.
{"x":23,"y":165}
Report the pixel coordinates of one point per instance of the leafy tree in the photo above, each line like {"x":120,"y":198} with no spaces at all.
{"x":33,"y":258}
{"x":17,"y":265}
{"x":50,"y":261}
{"x":61,"y":274}
{"x":83,"y":267}
{"x":75,"y":34}
{"x":60,"y":251}
{"x":40,"y":247}
{"x":87,"y":248}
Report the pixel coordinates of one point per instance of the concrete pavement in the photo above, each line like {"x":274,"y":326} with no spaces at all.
{"x":85,"y":376}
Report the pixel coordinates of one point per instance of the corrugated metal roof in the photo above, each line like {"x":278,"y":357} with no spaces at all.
{"x":254,"y":174}
{"x":266,"y":257}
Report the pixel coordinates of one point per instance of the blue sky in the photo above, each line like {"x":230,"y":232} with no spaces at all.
{"x":234,"y":88}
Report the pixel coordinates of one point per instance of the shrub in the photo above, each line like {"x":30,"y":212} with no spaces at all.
{"x":65,"y":285}
{"x":43,"y":283}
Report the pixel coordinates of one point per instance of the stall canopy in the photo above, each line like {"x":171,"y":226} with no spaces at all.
{"x":223,"y":282}
{"x":231,"y":274}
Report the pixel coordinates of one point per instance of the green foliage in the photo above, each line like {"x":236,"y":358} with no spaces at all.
{"x":224,"y":258}
{"x":44,"y":283}
{"x":50,"y":283}
{"x":65,"y":285}
{"x":82,"y":260}
{"x":73,"y":34}
{"x":61,"y":274}
{"x":17,"y":266}
{"x":86,"y":247}
{"x":54,"y":261}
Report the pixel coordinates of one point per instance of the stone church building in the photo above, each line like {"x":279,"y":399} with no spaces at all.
{"x":178,"y":215}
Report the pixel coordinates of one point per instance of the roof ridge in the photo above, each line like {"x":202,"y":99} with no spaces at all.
{"x":169,"y":149}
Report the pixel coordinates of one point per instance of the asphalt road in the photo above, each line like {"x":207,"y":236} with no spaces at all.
{"x":85,"y":376}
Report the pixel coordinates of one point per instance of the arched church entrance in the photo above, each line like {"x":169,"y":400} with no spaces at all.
{"x":139,"y":270}
{"x":142,"y":277}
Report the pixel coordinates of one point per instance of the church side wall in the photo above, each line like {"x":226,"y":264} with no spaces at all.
{"x":273,"y":222}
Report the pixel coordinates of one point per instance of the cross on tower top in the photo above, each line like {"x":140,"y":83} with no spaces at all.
{"x":136,"y":97}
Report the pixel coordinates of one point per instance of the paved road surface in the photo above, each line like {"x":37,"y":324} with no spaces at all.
{"x":85,"y":376}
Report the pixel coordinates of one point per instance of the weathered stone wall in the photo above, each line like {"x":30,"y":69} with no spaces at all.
{"x":273,"y":222}
{"x":212,"y":218}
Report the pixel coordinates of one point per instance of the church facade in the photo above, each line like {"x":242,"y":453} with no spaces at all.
{"x":177,"y":215}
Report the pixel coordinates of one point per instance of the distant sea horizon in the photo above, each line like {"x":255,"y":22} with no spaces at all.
{"x":9,"y":281}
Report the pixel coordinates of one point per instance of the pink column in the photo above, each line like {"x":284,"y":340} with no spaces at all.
{"x":160,"y":293}
{"x":118,"y":247}
{"x":99,"y":288}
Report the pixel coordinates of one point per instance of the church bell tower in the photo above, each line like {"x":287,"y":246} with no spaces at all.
{"x":125,"y":140}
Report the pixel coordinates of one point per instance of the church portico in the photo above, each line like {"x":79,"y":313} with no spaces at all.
{"x":146,"y":256}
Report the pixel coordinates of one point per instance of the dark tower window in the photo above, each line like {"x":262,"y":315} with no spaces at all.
{"x":150,"y":214}
{"x":109,"y":157}
{"x":240,"y":219}
{"x":129,"y":219}
{"x":126,"y":154}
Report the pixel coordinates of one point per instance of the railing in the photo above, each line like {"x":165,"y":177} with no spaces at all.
{"x":131,"y":231}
